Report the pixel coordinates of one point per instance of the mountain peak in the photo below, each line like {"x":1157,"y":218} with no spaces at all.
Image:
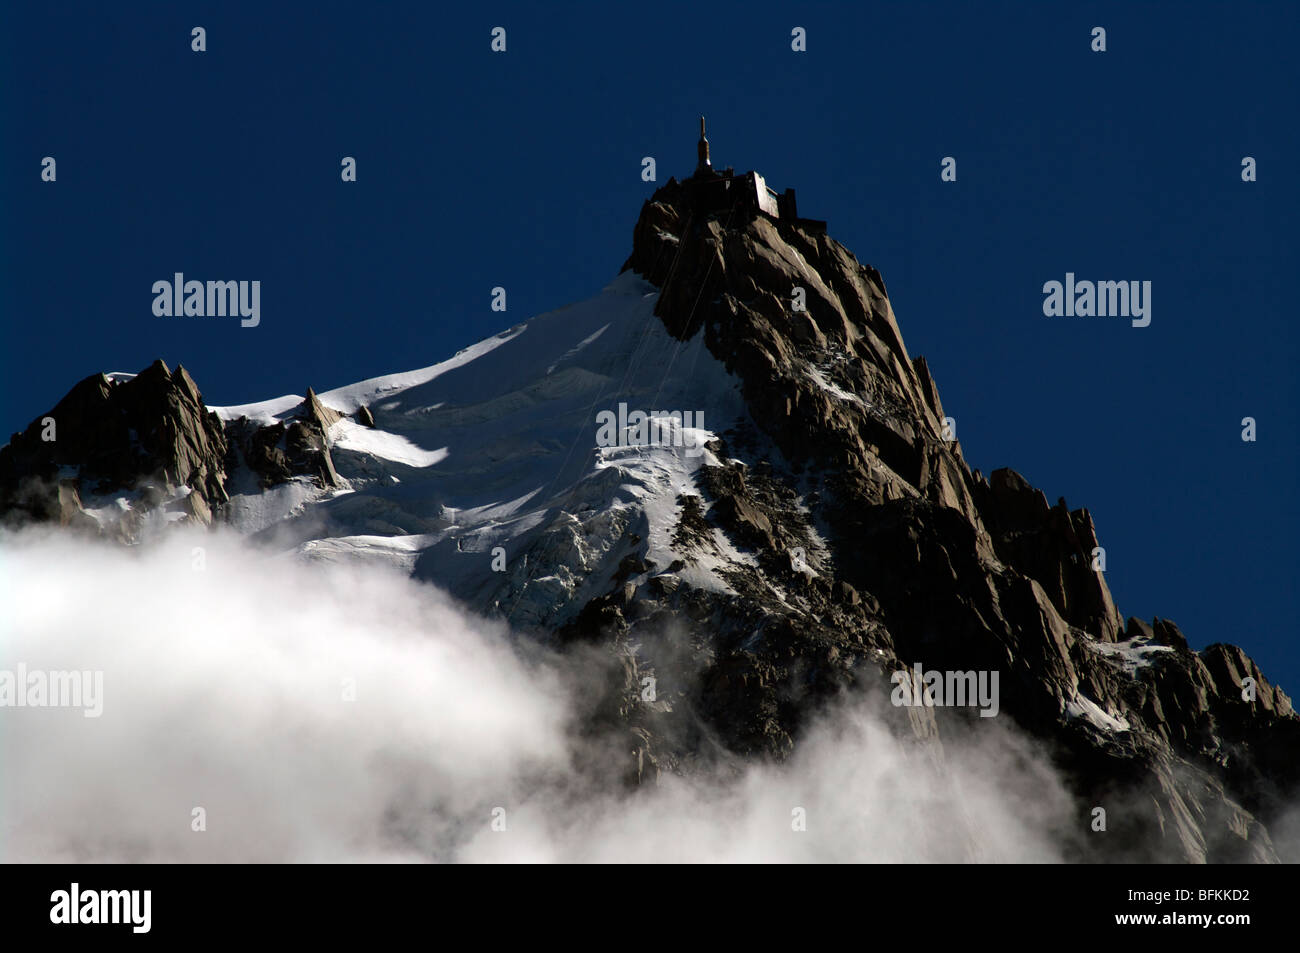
{"x":736,"y":199}
{"x":803,"y":525}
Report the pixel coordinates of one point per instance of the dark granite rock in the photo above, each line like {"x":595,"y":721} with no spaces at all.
{"x":150,"y":433}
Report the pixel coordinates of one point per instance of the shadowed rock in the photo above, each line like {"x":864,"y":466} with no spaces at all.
{"x":926,"y":562}
{"x":150,"y":431}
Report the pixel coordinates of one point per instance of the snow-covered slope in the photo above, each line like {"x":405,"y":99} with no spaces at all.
{"x":497,"y":447}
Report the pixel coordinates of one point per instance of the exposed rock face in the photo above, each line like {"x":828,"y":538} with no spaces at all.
{"x":924,"y":561}
{"x":281,"y":451}
{"x":150,"y":434}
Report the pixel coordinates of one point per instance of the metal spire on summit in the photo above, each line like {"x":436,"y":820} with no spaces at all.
{"x":703,"y":150}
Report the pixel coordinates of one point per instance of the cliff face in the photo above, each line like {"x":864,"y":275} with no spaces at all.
{"x":926,"y":562}
{"x":828,"y":534}
{"x":149,"y":435}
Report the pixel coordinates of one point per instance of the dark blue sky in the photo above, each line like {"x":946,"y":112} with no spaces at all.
{"x":522,"y":170}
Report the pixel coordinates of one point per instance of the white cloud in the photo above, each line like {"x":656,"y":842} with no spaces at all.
{"x":223,"y":689}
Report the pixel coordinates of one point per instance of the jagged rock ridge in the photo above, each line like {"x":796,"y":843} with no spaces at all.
{"x":967,"y":573}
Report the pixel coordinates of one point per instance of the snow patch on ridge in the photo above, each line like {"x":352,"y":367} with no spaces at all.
{"x":1132,"y":655}
{"x":656,"y":478}
{"x":264,"y":412}
{"x":1084,"y":707}
{"x":834,"y":389}
{"x":380,"y":443}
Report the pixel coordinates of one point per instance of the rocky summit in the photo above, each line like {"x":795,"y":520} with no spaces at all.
{"x":823,"y":537}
